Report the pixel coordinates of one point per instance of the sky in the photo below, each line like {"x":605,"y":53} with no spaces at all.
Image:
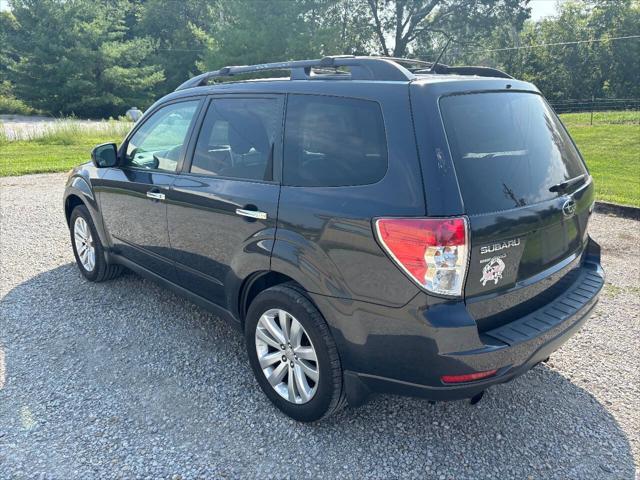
{"x":543,"y":8}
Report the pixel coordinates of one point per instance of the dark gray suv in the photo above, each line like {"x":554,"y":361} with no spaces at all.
{"x":370,"y":224}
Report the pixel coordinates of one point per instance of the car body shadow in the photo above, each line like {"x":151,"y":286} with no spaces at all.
{"x":128,"y":361}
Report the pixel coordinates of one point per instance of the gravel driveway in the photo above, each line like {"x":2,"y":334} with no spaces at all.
{"x":125,"y":379}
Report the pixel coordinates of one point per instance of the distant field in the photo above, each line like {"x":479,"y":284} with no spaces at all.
{"x":625,"y":117}
{"x":611,"y":147}
{"x":53,"y":146}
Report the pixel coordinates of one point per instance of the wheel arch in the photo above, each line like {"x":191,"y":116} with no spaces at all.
{"x":71,"y":202}
{"x":258,"y":282}
{"x":79,"y":192}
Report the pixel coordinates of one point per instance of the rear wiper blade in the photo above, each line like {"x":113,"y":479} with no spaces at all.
{"x":562,"y":186}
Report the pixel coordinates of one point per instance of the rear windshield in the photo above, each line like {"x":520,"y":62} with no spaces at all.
{"x":508,"y":148}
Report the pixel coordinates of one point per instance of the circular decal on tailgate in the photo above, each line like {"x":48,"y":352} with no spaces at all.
{"x":492,"y":271}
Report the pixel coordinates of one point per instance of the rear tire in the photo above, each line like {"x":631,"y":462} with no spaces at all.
{"x":88,"y":249}
{"x":313,"y":349}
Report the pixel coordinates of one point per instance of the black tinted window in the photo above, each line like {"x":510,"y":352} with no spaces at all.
{"x":508,"y":149}
{"x":237,"y":138}
{"x":332,"y":141}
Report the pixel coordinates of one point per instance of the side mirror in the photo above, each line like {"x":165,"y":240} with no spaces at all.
{"x":105,"y":155}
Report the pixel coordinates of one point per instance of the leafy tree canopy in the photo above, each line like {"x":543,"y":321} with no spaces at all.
{"x":100,"y":57}
{"x":75,"y":57}
{"x":401,"y":23}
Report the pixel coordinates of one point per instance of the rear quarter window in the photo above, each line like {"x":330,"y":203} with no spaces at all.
{"x":333,"y":141}
{"x":508,"y":149}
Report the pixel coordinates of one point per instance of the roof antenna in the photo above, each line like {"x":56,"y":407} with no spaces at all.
{"x":435,"y":64}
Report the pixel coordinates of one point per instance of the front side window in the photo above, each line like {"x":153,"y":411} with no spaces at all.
{"x":158,"y":143}
{"x":333,"y":141}
{"x":237,"y":138}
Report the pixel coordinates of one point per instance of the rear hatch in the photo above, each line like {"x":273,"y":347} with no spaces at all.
{"x":528,"y":197}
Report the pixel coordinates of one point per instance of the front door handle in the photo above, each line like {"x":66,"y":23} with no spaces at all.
{"x":155,"y":195}
{"x":251,"y":214}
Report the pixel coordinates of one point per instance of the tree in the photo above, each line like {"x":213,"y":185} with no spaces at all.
{"x":569,"y":57}
{"x":74,"y":58}
{"x":8,"y":28}
{"x":406,"y":21}
{"x":619,"y":61}
{"x":250,"y":31}
{"x":99,"y":57}
{"x":179,"y":49}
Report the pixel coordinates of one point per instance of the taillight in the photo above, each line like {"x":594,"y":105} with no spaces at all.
{"x":432,"y":251}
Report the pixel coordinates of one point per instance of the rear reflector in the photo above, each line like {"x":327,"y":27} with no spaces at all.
{"x":432,"y":251}
{"x":469,"y":377}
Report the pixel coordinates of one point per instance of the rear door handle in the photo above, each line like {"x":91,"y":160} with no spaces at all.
{"x":251,"y":213}
{"x":155,"y":195}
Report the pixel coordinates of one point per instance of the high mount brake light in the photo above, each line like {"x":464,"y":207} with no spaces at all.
{"x":432,"y":251}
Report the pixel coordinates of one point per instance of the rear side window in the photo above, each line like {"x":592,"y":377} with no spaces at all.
{"x":508,"y":148}
{"x":237,"y":138}
{"x":333,"y":141}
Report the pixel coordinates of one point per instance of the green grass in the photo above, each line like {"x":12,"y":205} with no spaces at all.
{"x":58,"y":148}
{"x":611,"y":147}
{"x":625,"y":117}
{"x":19,"y":158}
{"x":75,"y":134}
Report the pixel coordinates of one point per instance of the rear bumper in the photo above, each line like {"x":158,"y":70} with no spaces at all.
{"x":510,"y":360}
{"x":406,"y":351}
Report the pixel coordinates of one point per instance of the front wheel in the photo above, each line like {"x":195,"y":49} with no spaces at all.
{"x":293,"y":355}
{"x":88,"y":249}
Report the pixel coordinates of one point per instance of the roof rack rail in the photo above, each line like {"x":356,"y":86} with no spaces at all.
{"x":360,"y":68}
{"x":464,"y":70}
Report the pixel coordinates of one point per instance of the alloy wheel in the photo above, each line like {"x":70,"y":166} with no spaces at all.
{"x":84,"y":244}
{"x":287,"y":356}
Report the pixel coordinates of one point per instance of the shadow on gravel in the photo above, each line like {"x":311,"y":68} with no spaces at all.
{"x":125,"y":379}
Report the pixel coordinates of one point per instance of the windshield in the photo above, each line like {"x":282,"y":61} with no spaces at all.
{"x":509,"y":149}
